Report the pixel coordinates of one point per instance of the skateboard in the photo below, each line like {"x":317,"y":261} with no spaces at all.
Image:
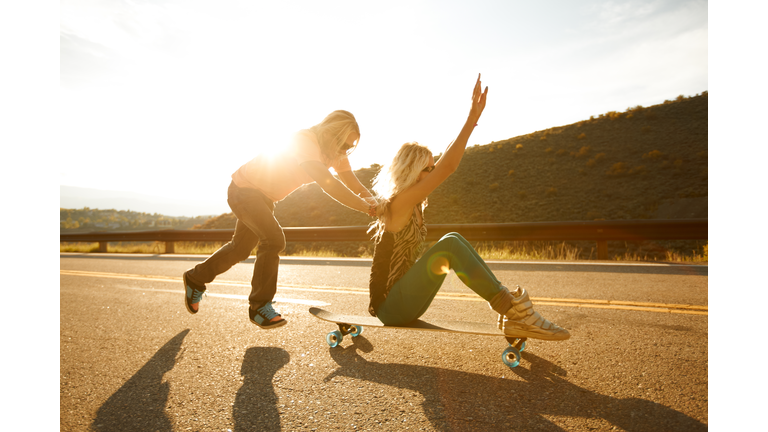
{"x":353,"y":325}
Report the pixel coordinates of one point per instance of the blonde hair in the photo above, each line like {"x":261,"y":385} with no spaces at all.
{"x":402,"y":173}
{"x":332,"y":133}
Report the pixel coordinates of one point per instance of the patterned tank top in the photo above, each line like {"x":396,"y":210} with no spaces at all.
{"x":393,"y":255}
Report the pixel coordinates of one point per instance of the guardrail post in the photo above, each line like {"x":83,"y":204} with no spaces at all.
{"x":103,"y":246}
{"x":169,"y":247}
{"x":602,"y":249}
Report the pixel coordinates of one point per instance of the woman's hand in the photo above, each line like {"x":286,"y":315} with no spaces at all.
{"x":478,"y":101}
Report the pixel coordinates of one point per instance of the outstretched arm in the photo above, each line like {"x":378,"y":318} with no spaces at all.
{"x":334,"y":188}
{"x":353,"y":183}
{"x":449,"y":161}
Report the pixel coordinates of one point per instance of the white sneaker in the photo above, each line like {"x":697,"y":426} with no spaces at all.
{"x":522,"y":321}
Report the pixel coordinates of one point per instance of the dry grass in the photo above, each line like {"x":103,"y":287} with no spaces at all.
{"x":528,"y":251}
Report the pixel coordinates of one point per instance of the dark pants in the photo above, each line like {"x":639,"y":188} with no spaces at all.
{"x":256,"y":226}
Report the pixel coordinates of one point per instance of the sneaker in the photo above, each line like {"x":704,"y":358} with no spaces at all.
{"x":522,"y":321}
{"x":264,"y":316}
{"x":193,"y":293}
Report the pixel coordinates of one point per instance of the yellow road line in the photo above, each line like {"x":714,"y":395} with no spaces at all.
{"x":580,"y":303}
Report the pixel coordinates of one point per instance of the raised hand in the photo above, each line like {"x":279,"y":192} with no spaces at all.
{"x":478,"y":100}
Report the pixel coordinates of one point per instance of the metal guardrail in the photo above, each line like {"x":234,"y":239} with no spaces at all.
{"x":598,"y":231}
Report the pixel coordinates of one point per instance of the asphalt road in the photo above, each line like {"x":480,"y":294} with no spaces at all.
{"x":132,"y":358}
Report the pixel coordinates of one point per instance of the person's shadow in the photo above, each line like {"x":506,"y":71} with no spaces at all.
{"x":255,"y":407}
{"x":140,"y":403}
{"x":454,"y":400}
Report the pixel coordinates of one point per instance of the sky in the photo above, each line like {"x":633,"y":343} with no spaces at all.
{"x":169,"y":98}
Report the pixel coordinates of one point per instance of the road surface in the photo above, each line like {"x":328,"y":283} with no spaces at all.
{"x":132,"y":358}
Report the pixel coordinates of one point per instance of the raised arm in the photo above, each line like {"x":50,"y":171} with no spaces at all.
{"x":450,"y":159}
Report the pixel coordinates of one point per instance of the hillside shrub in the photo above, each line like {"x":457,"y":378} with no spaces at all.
{"x":584,"y":151}
{"x":619,"y":168}
{"x":655,"y":154}
{"x":599,"y":157}
{"x":551,"y":192}
{"x":522,"y":195}
{"x":518,"y":147}
{"x":562,"y":152}
{"x":510,"y":173}
{"x":493,"y":187}
{"x":638,"y":170}
{"x":650,"y":114}
{"x":548,"y":150}
{"x":581,"y":136}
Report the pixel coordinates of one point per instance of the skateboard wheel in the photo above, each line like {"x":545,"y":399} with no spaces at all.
{"x":511,"y":357}
{"x":356,"y":330}
{"x":334,"y":338}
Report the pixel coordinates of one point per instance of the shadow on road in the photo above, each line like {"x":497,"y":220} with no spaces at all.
{"x":255,"y":406}
{"x":454,"y":400}
{"x":140,"y":403}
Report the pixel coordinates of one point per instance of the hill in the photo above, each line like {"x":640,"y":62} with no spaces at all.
{"x":644,"y":163}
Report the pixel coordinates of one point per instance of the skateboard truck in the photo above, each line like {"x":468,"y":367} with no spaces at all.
{"x":335,"y":337}
{"x":511,"y":356}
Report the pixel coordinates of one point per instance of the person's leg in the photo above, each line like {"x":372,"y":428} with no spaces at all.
{"x":255,"y":211}
{"x":236,"y":250}
{"x":411,"y":296}
{"x":479,"y":259}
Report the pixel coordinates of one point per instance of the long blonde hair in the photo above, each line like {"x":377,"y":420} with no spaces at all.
{"x":402,"y":173}
{"x":332,"y":134}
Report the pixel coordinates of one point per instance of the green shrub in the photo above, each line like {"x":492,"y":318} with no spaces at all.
{"x":617,"y":169}
{"x":582,"y":152}
{"x":655,"y":154}
{"x":638,"y":170}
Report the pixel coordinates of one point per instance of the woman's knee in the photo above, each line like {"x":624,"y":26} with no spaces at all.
{"x":453,"y":236}
{"x":451,"y":239}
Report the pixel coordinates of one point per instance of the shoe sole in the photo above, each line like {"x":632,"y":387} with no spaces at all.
{"x":186,"y":304}
{"x":559,"y":336}
{"x":269,"y":327}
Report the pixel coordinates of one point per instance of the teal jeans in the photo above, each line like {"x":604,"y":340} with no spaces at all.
{"x":411,"y":296}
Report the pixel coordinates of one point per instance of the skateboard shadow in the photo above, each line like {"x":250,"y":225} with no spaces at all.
{"x":140,"y":403}
{"x":255,"y":407}
{"x":454,"y":400}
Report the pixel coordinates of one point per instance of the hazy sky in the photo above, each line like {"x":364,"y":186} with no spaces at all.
{"x":171,"y":97}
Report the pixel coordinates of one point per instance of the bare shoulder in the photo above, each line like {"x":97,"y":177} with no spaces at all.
{"x":398,"y":215}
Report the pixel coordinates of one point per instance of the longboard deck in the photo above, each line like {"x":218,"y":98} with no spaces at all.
{"x":483,"y":329}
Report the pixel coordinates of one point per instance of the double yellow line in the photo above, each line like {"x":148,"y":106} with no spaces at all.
{"x":595,"y":304}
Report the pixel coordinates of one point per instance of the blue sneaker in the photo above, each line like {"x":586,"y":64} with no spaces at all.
{"x":265,"y":317}
{"x":193,"y":293}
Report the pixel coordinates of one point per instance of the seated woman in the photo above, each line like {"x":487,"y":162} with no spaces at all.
{"x":402,"y":285}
